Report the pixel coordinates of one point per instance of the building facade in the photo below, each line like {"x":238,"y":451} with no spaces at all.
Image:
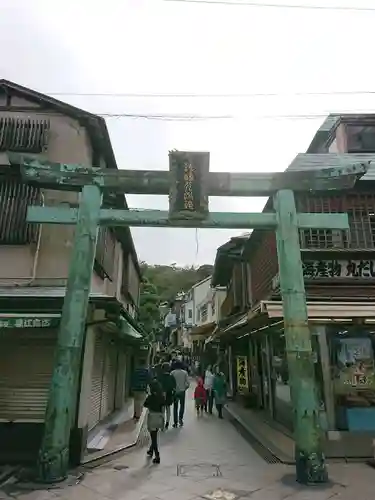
{"x":34,"y":263}
{"x":339,"y":277}
{"x":201,"y":313}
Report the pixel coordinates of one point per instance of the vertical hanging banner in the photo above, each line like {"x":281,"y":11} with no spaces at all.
{"x":242,"y":374}
{"x":188,"y":198}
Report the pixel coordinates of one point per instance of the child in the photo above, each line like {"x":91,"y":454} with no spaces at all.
{"x":200,"y":396}
{"x":155,"y":403}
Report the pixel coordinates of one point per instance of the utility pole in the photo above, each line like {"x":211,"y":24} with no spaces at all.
{"x":309,"y":457}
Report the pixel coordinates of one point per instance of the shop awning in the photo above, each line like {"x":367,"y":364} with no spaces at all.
{"x":127,"y":330}
{"x":202,"y":331}
{"x":237,"y":323}
{"x":324,"y":310}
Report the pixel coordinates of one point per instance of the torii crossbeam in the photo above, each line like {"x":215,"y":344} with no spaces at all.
{"x":189,"y":184}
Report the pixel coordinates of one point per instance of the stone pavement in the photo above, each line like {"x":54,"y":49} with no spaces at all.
{"x":206,"y":459}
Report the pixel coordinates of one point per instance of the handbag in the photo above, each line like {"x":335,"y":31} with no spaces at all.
{"x":155,"y":421}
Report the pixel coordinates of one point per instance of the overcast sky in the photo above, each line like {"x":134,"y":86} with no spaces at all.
{"x":156,"y":46}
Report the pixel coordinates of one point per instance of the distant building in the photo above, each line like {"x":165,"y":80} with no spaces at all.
{"x":200,"y":312}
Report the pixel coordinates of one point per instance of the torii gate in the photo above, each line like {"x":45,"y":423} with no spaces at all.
{"x":188,"y":183}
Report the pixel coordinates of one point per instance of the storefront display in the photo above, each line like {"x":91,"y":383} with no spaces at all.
{"x":353,"y":378}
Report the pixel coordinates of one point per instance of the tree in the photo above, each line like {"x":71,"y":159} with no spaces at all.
{"x":149,"y":314}
{"x":170,"y":280}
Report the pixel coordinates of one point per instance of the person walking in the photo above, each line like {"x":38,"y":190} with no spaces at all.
{"x":155,"y":402}
{"x":140,"y":381}
{"x":168,"y":386}
{"x":200,"y":397}
{"x":208,"y":383}
{"x":182,"y":385}
{"x":156,"y":369}
{"x":220,"y":392}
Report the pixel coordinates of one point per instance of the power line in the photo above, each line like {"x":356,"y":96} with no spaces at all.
{"x":190,"y":118}
{"x":166,"y":117}
{"x":278,"y":6}
{"x":204,"y":96}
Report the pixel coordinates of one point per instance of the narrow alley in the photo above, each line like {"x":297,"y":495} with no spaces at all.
{"x":206,"y":459}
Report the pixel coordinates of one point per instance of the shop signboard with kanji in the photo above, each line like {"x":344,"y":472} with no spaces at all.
{"x":29,"y":322}
{"x":339,"y":268}
{"x":331,"y":269}
{"x":242,"y":374}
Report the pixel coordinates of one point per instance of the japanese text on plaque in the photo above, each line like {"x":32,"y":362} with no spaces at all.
{"x":189,"y":178}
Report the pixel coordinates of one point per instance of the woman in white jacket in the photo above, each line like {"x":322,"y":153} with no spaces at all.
{"x":208,"y":383}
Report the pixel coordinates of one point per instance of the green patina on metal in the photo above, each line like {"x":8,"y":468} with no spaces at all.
{"x":53,"y":461}
{"x":341,"y":174}
{"x":308,"y":454}
{"x":335,"y":174}
{"x":160,"y":218}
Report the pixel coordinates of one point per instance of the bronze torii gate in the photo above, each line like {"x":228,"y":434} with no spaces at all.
{"x":188,"y":183}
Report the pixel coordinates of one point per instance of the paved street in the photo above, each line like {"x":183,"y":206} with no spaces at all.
{"x":208,"y":459}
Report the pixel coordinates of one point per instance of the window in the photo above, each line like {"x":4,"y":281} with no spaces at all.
{"x":362,"y":229}
{"x":360,"y":207}
{"x":190,"y":314}
{"x":23,"y":136}
{"x":321,"y":238}
{"x":105,"y":254}
{"x":15,"y":197}
{"x":204,"y":313}
{"x":360,"y":139}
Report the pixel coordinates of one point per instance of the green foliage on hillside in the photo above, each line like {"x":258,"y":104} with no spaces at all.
{"x":170,"y":280}
{"x":149,"y":314}
{"x":162,"y":284}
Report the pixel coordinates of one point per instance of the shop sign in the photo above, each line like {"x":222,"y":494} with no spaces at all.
{"x":316,"y":269}
{"x":29,"y":322}
{"x":338,"y":268}
{"x":242,"y":374}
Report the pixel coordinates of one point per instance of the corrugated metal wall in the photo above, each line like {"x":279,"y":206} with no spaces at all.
{"x":26,"y":366}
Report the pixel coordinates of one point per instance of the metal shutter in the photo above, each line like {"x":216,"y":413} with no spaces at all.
{"x":26,"y":366}
{"x":109,"y":380}
{"x":115,"y":370}
{"x":121,"y":379}
{"x":96,"y":382}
